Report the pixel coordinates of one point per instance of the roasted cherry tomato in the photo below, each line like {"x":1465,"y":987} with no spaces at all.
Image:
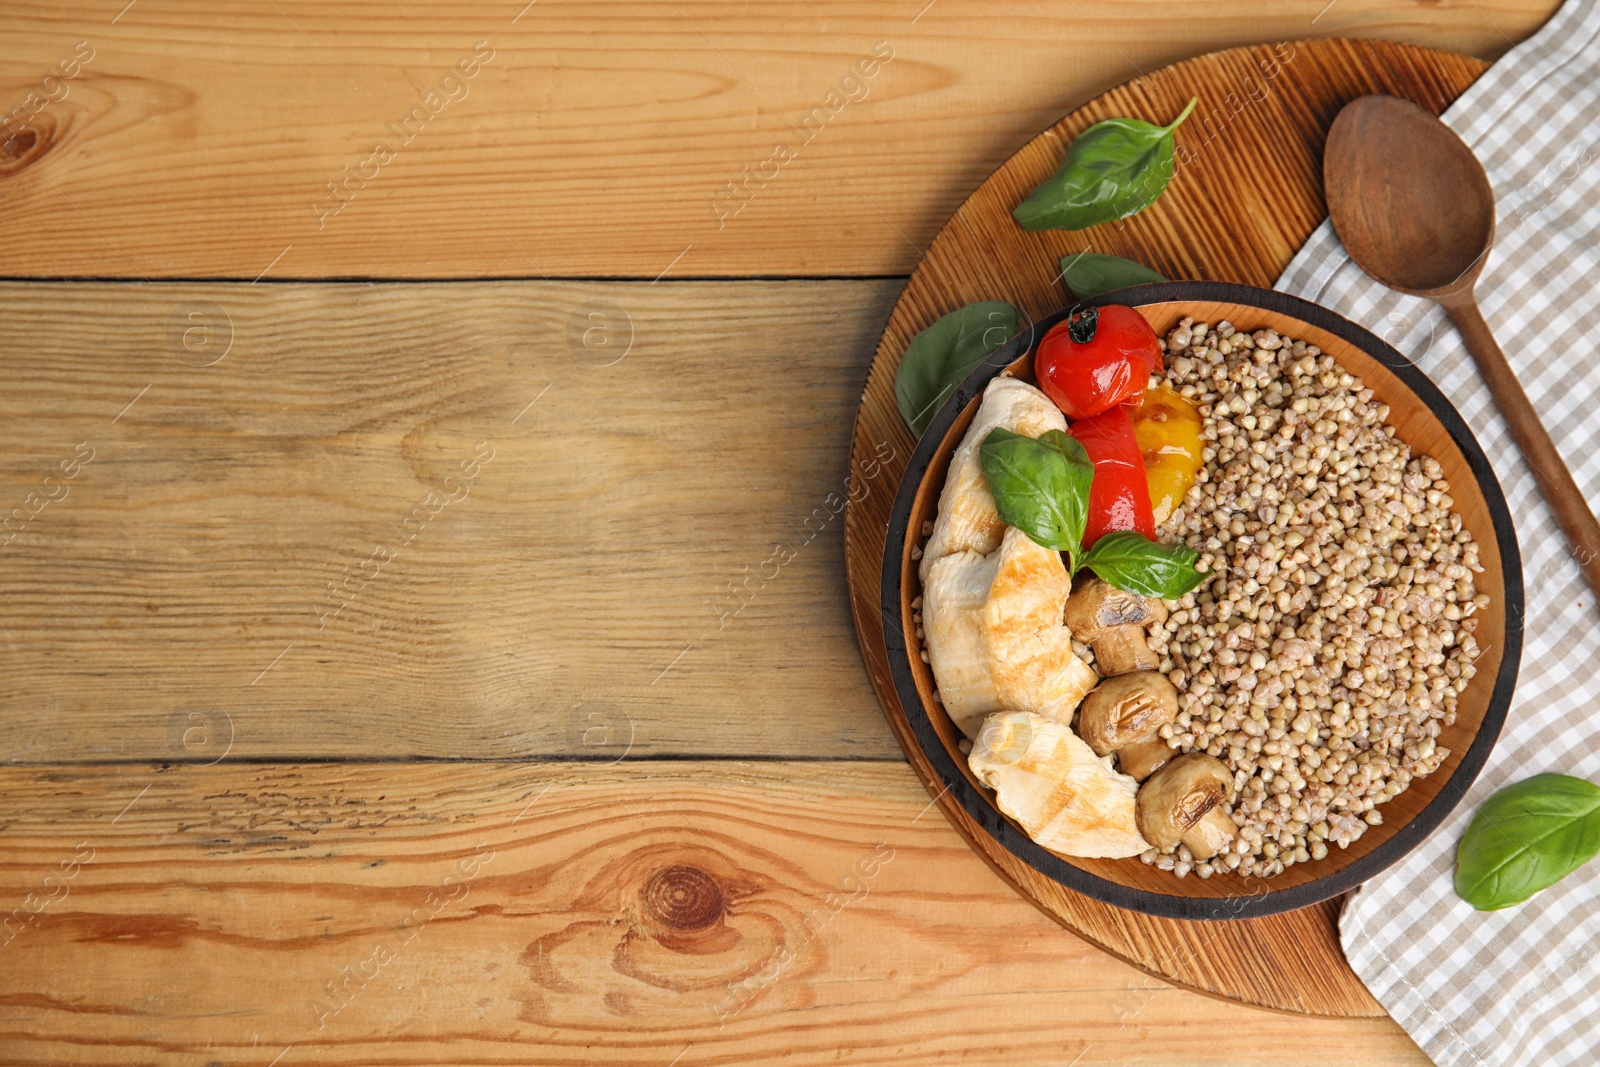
{"x":1097,"y":359}
{"x":1167,"y":428}
{"x":1119,"y":497}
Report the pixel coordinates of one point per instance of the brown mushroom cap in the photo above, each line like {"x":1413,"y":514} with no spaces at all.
{"x":1178,"y":796}
{"x":1113,"y":621}
{"x":1096,"y":605}
{"x":1126,"y":708}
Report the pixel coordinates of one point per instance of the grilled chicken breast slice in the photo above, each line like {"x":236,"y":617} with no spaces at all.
{"x":1050,"y":781}
{"x":967,"y":519}
{"x":995,"y":636}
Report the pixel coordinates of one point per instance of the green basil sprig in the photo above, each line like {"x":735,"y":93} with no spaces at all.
{"x":1041,"y":486}
{"x":1114,"y":169}
{"x":1527,"y":837}
{"x":1089,"y":274}
{"x":1130,"y":560}
{"x":940,"y":357}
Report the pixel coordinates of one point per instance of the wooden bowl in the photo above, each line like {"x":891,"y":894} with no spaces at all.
{"x":1424,"y":419}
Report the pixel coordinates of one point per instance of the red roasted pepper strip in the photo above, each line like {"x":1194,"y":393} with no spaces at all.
{"x":1119,"y":496}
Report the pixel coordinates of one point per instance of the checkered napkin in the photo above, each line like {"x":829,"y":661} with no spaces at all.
{"x":1520,"y":986}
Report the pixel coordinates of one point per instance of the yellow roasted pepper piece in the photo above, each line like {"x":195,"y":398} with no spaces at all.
{"x":1167,"y":428}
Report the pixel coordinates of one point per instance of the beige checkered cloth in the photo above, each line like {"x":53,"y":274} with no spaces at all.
{"x":1520,"y":986}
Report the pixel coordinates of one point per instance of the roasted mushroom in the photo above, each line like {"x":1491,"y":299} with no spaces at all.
{"x":1112,"y":621}
{"x":1183,"y":802}
{"x":1123,"y":715}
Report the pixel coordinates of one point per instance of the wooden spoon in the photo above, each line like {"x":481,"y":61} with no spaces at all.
{"x":1414,"y":209}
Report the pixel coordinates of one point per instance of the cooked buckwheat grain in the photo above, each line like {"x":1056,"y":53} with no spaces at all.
{"x":1331,"y":647}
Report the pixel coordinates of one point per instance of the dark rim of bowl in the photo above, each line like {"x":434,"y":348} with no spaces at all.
{"x":1173,"y":906}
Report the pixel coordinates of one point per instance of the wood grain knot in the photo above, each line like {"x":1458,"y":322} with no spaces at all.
{"x":683,"y":898}
{"x":668,"y":929}
{"x":20,"y":148}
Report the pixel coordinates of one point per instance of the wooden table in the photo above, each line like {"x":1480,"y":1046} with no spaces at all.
{"x":395,"y":656}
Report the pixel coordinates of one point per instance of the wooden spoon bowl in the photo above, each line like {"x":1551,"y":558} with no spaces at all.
{"x":1422,"y":219}
{"x":1424,"y":419}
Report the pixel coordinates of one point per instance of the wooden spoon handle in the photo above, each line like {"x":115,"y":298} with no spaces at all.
{"x":1555,"y":480}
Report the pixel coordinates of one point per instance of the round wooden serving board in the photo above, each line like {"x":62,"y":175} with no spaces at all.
{"x":1246,"y":196}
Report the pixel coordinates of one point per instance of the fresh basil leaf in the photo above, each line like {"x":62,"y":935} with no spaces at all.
{"x":1114,"y":169}
{"x":1089,"y":274}
{"x":939,"y":358}
{"x":1527,"y":837}
{"x":1130,"y":560}
{"x":1040,"y":485}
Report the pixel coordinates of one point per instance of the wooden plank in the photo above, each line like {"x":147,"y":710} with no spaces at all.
{"x":591,"y":138}
{"x":616,"y":572}
{"x":664,"y":913}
